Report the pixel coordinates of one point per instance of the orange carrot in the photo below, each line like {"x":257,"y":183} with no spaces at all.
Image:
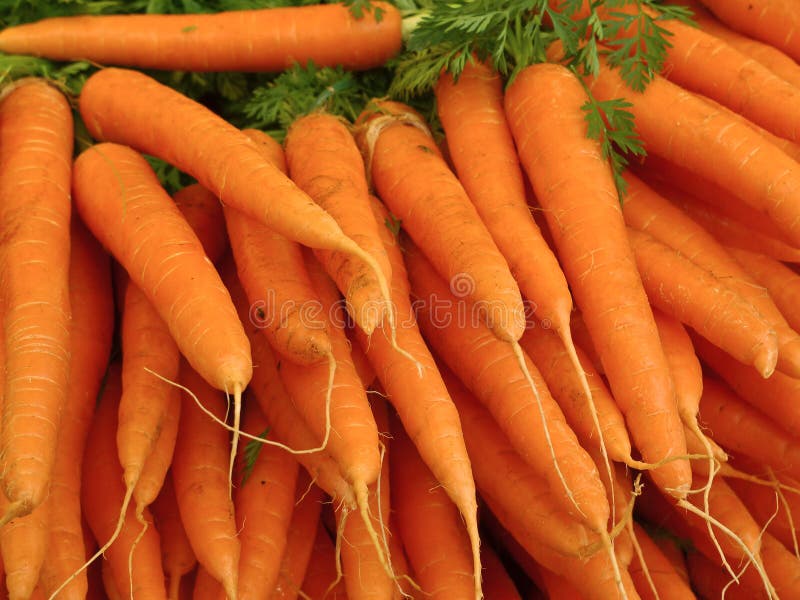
{"x":433,"y":534}
{"x":711,"y":581}
{"x":529,"y":416}
{"x":102,"y":493}
{"x":264,"y":502}
{"x":113,"y":185}
{"x":304,"y":522}
{"x":321,"y":580}
{"x":545,"y":99}
{"x":691,"y":133}
{"x":177,"y":555}
{"x":23,"y":545}
{"x":772,"y":21}
{"x":90,"y":345}
{"x":437,"y":213}
{"x":696,"y":297}
{"x":35,"y":167}
{"x":656,"y":568}
{"x":497,"y":582}
{"x":324,"y":162}
{"x":422,"y":402}
{"x":245,"y":40}
{"x":206,"y":587}
{"x":203,"y":211}
{"x":199,"y":475}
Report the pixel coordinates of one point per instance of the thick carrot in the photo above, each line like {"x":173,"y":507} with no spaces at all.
{"x":437,"y":213}
{"x":742,"y":429}
{"x":435,"y":539}
{"x":324,"y":161}
{"x":248,"y":40}
{"x":554,"y":363}
{"x":696,"y":297}
{"x":264,"y":502}
{"x":302,"y":528}
{"x":35,"y":167}
{"x":322,"y":580}
{"x":653,"y":574}
{"x":529,"y":416}
{"x":138,"y":573}
{"x":422,"y":402}
{"x":203,"y":211}
{"x":691,"y":133}
{"x":200,"y":477}
{"x":775,"y":22}
{"x":232,"y":166}
{"x":123,"y":204}
{"x":544,"y":103}
{"x":91,"y":327}
{"x":177,"y":555}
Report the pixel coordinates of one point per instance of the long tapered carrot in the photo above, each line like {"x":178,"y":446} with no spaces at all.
{"x":200,"y":477}
{"x":245,"y":40}
{"x":91,"y":327}
{"x":650,"y":212}
{"x":530,"y":418}
{"x":177,"y":555}
{"x":437,"y":213}
{"x":693,"y":134}
{"x":776,"y":22}
{"x":102,"y":493}
{"x":35,"y":170}
{"x":324,"y":161}
{"x":422,"y":403}
{"x":434,"y":537}
{"x":114,"y":185}
{"x":264,"y":503}
{"x":600,"y":268}
{"x":696,"y":297}
{"x":741,"y":428}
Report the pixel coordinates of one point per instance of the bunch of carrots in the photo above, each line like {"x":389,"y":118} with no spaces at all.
{"x":521,"y":359}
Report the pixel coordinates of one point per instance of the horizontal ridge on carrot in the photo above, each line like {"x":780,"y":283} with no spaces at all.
{"x":244,"y":40}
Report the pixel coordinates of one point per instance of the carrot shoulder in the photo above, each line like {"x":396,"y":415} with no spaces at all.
{"x":245,"y":40}
{"x":575,"y":186}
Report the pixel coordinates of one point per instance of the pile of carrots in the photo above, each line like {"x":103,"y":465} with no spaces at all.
{"x":371,"y":364}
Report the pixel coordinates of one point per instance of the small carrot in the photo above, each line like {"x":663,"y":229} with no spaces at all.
{"x":199,"y":476}
{"x":242,"y":40}
{"x":36,"y":134}
{"x":544,"y":103}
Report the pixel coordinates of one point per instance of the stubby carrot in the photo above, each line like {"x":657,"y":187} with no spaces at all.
{"x":36,"y":136}
{"x":575,"y":186}
{"x":244,"y":40}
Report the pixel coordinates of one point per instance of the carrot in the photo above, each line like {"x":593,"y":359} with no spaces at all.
{"x":658,"y":579}
{"x":497,"y":582}
{"x":109,"y":585}
{"x":552,"y":359}
{"x":23,"y":545}
{"x":321,"y":580}
{"x":233,"y":167}
{"x":530,"y":418}
{"x":198,"y":473}
{"x":90,"y":345}
{"x":113,"y":185}
{"x":437,"y":213}
{"x":780,"y":281}
{"x":693,"y":134}
{"x":203,"y":211}
{"x":324,"y":161}
{"x":775,"y":22}
{"x":434,"y":537}
{"x":711,"y":581}
{"x":741,"y":429}
{"x":422,"y":403}
{"x":696,"y":297}
{"x":675,"y":229}
{"x":303,"y":524}
{"x":769,"y":56}
{"x":245,"y":40}
{"x":177,"y":555}
{"x":645,"y":395}
{"x":264,"y":503}
{"x":206,"y":587}
{"x":35,"y":167}
{"x":138,"y":573}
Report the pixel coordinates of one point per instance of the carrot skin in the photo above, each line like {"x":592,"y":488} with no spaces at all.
{"x":242,"y":40}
